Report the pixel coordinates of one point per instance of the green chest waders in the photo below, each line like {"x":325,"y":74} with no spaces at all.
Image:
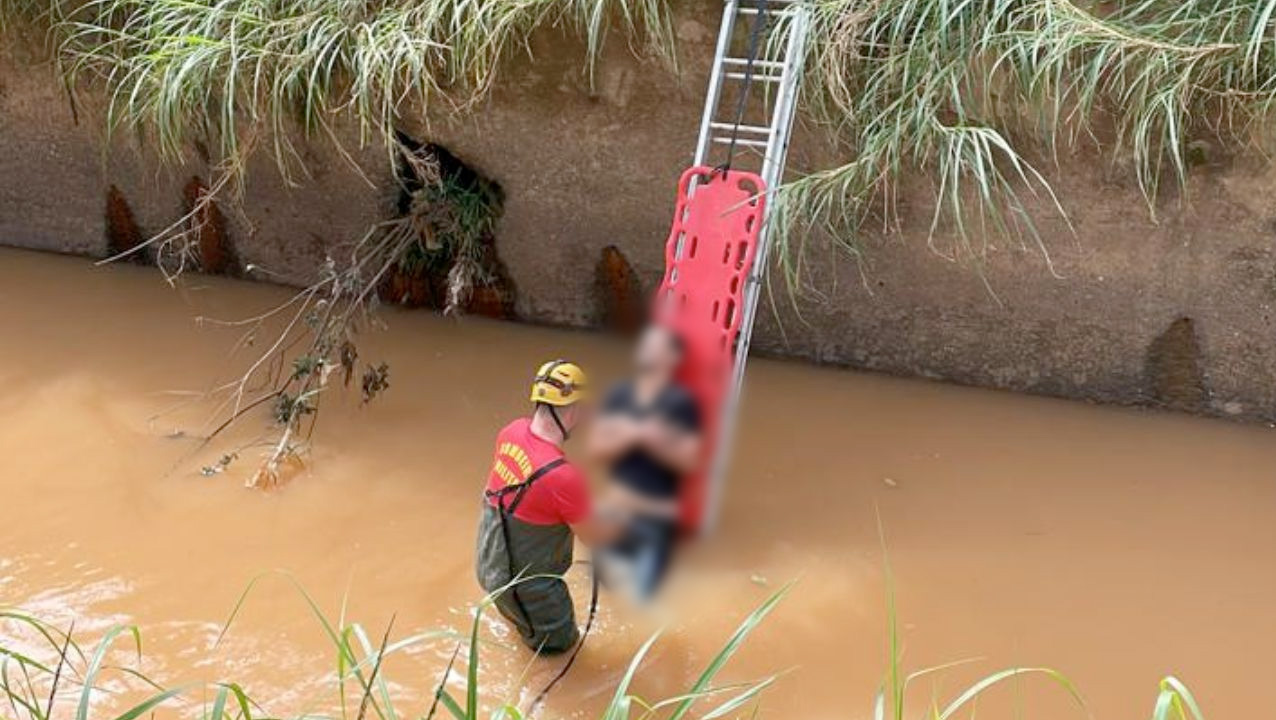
{"x":553,"y":561}
{"x":516,"y":494}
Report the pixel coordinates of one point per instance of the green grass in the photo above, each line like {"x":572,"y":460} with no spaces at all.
{"x":978,"y":98}
{"x":226,"y":73}
{"x":30,"y":683}
{"x":891,"y":701}
{"x":981,"y":98}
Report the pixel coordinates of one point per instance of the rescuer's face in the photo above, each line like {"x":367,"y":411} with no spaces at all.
{"x":575,"y":414}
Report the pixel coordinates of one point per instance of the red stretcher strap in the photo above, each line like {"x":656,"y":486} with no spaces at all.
{"x":708,"y":257}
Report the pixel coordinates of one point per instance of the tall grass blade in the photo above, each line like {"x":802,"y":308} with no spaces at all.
{"x":219,"y":703}
{"x":1174,"y":697}
{"x":57,"y":674}
{"x":453,"y":706}
{"x":150,"y":703}
{"x":339,"y":639}
{"x":440,"y":690}
{"x":46,"y":631}
{"x":95,"y":665}
{"x":734,"y":703}
{"x":728,"y":650}
{"x":376,"y":678}
{"x":618,"y":708}
{"x":969,"y":695}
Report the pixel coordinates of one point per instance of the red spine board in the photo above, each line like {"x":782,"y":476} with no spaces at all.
{"x":702,"y":298}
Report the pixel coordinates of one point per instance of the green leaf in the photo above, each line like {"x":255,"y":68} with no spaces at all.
{"x":732,"y":646}
{"x":147,"y":705}
{"x":1174,"y":695}
{"x":95,"y":665}
{"x":980,"y":687}
{"x":449,"y":702}
{"x":618,"y":708}
{"x":219,"y":703}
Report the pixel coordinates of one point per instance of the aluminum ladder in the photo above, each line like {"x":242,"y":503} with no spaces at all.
{"x":762,"y":143}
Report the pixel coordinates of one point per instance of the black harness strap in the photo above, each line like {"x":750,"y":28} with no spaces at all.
{"x":553,"y":414}
{"x":589,"y":625}
{"x":519,"y":491}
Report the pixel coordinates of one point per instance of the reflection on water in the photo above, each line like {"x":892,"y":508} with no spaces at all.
{"x":1116,"y":546}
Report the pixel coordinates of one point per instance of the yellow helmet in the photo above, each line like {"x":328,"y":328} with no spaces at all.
{"x":559,"y":383}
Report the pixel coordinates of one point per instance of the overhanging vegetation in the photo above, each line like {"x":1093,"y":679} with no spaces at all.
{"x":981,"y":97}
{"x":225,"y":73}
{"x":977,"y":95}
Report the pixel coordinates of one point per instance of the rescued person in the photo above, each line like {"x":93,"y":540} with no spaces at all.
{"x":648,"y":434}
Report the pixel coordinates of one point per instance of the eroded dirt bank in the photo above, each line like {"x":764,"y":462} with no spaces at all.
{"x":1177,"y":313}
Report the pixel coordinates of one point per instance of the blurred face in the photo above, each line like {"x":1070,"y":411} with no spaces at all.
{"x":657,"y":352}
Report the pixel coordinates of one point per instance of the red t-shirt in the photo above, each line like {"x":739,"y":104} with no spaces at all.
{"x":558,"y":497}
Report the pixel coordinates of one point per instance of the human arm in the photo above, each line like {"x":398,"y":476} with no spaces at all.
{"x":576,"y":510}
{"x":675,"y":446}
{"x":613,"y":435}
{"x":673,"y":435}
{"x":614,"y":432}
{"x":596,"y":531}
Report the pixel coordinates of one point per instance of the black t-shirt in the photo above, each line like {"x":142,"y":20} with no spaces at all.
{"x":637,"y":468}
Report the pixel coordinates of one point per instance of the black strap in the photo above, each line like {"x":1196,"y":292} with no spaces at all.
{"x":553,"y":413}
{"x":755,"y":38}
{"x":519,"y":490}
{"x":548,"y":377}
{"x":589,"y":625}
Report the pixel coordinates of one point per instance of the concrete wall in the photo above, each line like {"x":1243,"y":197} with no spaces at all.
{"x":586,"y":167}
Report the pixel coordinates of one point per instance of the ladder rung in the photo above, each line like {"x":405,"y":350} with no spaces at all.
{"x":740,"y":141}
{"x":746,"y":128}
{"x":756,"y":63}
{"x":786,"y":6}
{"x":765,"y":77}
{"x":772,"y":13}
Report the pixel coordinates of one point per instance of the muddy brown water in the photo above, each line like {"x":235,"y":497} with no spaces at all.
{"x":1113,"y":545}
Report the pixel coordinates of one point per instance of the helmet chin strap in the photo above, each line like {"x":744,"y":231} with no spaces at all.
{"x":553,"y":413}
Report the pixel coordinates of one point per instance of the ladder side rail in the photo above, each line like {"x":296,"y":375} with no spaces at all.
{"x":714,"y":93}
{"x":785,"y":104}
{"x":773,"y":174}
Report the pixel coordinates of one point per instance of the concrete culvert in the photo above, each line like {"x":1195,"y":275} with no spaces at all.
{"x":454,"y":265}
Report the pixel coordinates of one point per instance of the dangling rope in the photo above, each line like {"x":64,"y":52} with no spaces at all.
{"x":751,"y":58}
{"x":571,"y":659}
{"x":760,"y":22}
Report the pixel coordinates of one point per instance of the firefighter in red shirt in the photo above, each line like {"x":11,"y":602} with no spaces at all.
{"x":535,"y":503}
